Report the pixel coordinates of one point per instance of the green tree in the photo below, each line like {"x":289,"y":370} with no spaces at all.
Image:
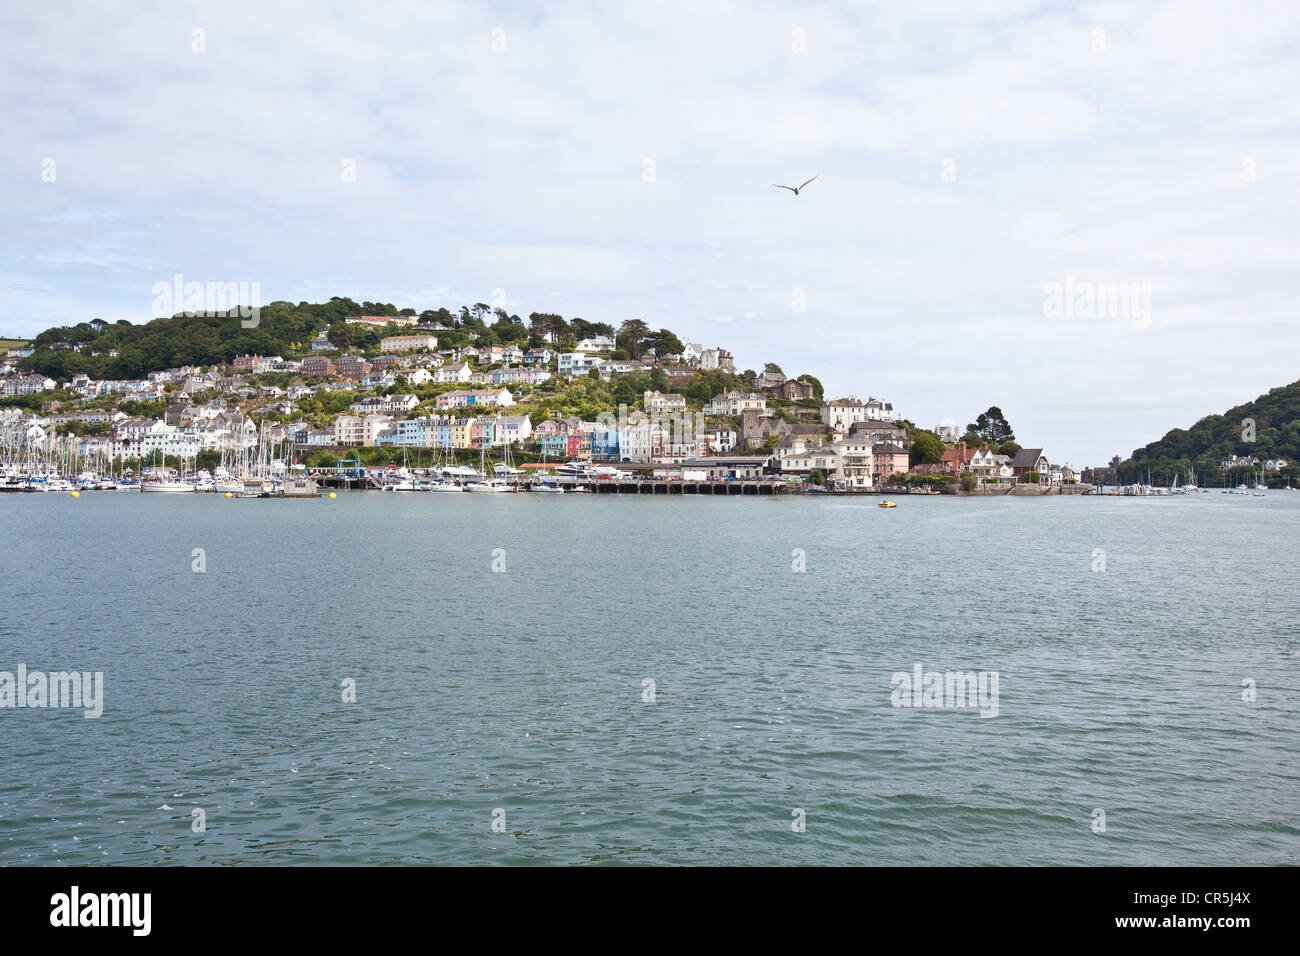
{"x":631,"y":336}
{"x":992,"y":427}
{"x":663,"y":343}
{"x":547,"y":323}
{"x":927,"y":448}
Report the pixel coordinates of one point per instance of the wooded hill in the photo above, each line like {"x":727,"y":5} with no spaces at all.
{"x":1201,"y":448}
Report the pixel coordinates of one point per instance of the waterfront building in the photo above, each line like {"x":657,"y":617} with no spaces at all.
{"x":888,"y":460}
{"x":739,"y":468}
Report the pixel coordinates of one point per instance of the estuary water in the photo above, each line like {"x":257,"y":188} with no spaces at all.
{"x":647,"y":680}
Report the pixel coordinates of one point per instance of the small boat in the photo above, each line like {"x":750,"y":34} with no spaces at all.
{"x":547,"y":489}
{"x":886,"y":504}
{"x":442,"y":486}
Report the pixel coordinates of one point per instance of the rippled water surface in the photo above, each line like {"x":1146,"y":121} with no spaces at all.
{"x":521,"y":692}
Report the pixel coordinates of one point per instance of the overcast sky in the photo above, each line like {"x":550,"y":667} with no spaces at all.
{"x":617,"y":163}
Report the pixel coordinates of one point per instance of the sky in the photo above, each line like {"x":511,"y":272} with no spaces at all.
{"x":990,"y":175}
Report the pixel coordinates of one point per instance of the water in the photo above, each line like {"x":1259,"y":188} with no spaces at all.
{"x":522,"y":691}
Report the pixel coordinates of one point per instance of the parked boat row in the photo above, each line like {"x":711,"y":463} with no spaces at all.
{"x":1177,"y":487}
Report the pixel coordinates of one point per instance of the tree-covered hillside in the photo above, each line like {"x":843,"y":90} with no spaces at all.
{"x":286,"y":329}
{"x":182,"y":340}
{"x":1276,"y":434}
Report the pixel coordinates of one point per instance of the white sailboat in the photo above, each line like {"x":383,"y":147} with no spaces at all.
{"x":168,"y":486}
{"x":449,"y":472}
{"x":486,"y":485}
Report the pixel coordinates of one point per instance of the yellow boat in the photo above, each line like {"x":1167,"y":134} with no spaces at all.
{"x":886,"y":504}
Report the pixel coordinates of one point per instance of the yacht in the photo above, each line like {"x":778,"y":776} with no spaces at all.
{"x":168,"y":486}
{"x":488,"y":486}
{"x":458,"y":471}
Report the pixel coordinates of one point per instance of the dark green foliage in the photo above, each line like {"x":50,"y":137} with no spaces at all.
{"x":991,"y":427}
{"x":927,"y":448}
{"x":1200,"y":448}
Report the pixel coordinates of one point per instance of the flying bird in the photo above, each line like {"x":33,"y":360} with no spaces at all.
{"x":793,"y":189}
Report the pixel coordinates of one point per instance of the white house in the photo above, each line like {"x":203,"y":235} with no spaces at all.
{"x":576,"y":363}
{"x":358,"y":430}
{"x":514,"y":429}
{"x":855,"y":463}
{"x":636,"y":442}
{"x":734,"y":402}
{"x":457,"y":372}
{"x":718,"y":358}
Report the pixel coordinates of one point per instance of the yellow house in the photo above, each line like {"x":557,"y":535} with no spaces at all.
{"x":460,"y":432}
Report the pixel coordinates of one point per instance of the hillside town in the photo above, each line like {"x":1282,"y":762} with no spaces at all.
{"x":411,"y":396}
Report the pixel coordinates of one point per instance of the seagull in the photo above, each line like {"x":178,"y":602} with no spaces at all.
{"x":793,"y":189}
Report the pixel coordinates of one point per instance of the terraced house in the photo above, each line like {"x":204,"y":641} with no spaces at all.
{"x":486,"y":397}
{"x":408,"y":343}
